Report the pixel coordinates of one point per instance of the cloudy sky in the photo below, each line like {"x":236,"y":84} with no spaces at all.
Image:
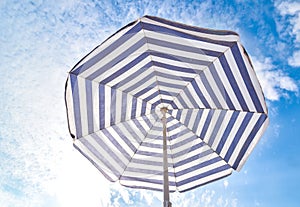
{"x":42,"y":40}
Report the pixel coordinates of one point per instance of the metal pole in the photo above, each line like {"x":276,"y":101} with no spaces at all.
{"x":167,"y":202}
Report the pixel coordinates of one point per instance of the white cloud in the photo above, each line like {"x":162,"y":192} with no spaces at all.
{"x":291,"y":11}
{"x":295,"y":59}
{"x":275,"y":83}
{"x":225,"y":183}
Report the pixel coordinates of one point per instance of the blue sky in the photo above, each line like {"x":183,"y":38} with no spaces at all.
{"x":40,"y":42}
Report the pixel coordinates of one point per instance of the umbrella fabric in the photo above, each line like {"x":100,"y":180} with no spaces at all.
{"x":216,"y":109}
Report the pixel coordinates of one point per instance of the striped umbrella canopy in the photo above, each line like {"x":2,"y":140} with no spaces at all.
{"x":157,"y":84}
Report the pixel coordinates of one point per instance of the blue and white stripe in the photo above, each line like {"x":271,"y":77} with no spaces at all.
{"x":216,"y":108}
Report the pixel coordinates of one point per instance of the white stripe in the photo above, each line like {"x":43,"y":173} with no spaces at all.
{"x":95,"y":98}
{"x":254,"y":80}
{"x":118,"y":106}
{"x":180,"y":63}
{"x":221,"y":131}
{"x":199,"y":34}
{"x":205,"y":180}
{"x":107,"y":92}
{"x":185,"y":41}
{"x":115,"y":53}
{"x":211,"y":126}
{"x":108,"y":145}
{"x":181,"y":53}
{"x":119,"y":140}
{"x":82,"y":104}
{"x":243,"y":138}
{"x":206,"y":95}
{"x":253,"y":144}
{"x":129,"y":136}
{"x":123,"y":63}
{"x":192,"y":119}
{"x":219,"y":94}
{"x":186,"y":148}
{"x":227,"y":86}
{"x":199,"y":171}
{"x":195,"y":96}
{"x":233,"y":131}
{"x":202,"y":122}
{"x":239,"y":79}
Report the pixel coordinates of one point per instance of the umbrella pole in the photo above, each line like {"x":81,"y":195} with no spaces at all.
{"x":167,"y":202}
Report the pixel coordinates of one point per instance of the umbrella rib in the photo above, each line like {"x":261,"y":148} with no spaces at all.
{"x":137,"y":149}
{"x":204,"y":68}
{"x":152,"y":63}
{"x":198,"y":136}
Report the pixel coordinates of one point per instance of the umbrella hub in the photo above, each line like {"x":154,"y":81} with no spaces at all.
{"x":164,"y":110}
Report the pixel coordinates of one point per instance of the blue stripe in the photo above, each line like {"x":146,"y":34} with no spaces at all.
{"x":151,"y":154}
{"x":193,"y":158}
{"x":140,"y":127}
{"x":145,"y":90}
{"x":117,"y":59}
{"x":217,"y":127}
{"x":175,"y":68}
{"x":182,"y":102}
{"x":144,"y":107}
{"x":193,"y":148}
{"x":203,"y":175}
{"x":249,"y":139}
{"x":148,"y":180}
{"x":89,"y":106}
{"x":133,"y":107}
{"x":221,"y":86}
{"x":238,"y":136}
{"x":197,"y":120}
{"x":108,"y":50}
{"x":115,"y":143}
{"x":227,"y":131}
{"x":206,"y":124}
{"x":179,"y":58}
{"x":178,"y":115}
{"x":179,"y":134}
{"x":209,"y":89}
{"x":147,"y":121}
{"x":164,"y":30}
{"x":173,"y":77}
{"x":187,"y":117}
{"x":233,"y":82}
{"x":191,"y":28}
{"x":190,"y":140}
{"x":76,"y":105}
{"x":97,"y":154}
{"x":197,"y":167}
{"x":183,"y":47}
{"x":174,"y":126}
{"x":148,"y":172}
{"x":200,"y":94}
{"x":123,"y":107}
{"x":248,"y":82}
{"x":113,"y":107}
{"x":132,"y":132}
{"x":149,"y":162}
{"x":127,"y":67}
{"x":112,"y":154}
{"x":125,"y":138}
{"x":102,"y":106}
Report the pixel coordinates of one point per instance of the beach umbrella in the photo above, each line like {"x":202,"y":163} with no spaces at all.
{"x":165,"y":106}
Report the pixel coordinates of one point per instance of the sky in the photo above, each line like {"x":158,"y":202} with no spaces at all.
{"x":41,"y":40}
